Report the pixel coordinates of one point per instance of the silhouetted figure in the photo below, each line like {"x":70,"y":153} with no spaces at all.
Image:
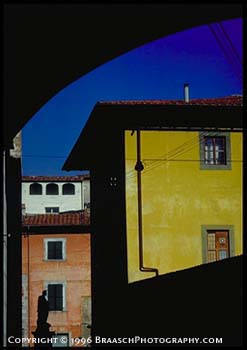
{"x":43,"y":309}
{"x":42,"y":331}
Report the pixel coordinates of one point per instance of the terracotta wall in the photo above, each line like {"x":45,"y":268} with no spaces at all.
{"x":75,"y":271}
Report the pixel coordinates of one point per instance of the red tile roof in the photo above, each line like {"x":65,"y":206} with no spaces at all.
{"x":64,"y":219}
{"x":76,"y":178}
{"x":235,"y":100}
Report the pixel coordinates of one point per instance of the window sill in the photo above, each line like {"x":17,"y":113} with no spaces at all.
{"x":55,"y":311}
{"x":54,"y":260}
{"x":204,"y":166}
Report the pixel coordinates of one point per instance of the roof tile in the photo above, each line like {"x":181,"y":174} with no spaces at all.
{"x":63,"y":219}
{"x":76,"y":178}
{"x":234,"y":100}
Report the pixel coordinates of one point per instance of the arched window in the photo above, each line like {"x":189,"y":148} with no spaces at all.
{"x":68,"y":189}
{"x":52,"y":189}
{"x":35,"y":188}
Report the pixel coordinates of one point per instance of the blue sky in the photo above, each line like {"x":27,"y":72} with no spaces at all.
{"x":156,"y":70}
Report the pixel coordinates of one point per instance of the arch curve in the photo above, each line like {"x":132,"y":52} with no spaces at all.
{"x":31,"y":56}
{"x":52,"y":189}
{"x":68,"y":189}
{"x":35,"y":189}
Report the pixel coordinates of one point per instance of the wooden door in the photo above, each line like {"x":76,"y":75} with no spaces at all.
{"x":222,"y":244}
{"x":217,"y":245}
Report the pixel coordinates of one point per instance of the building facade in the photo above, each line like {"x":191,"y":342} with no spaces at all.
{"x":191,"y":186}
{"x":172,"y":188}
{"x":56,"y":257}
{"x":55,"y":194}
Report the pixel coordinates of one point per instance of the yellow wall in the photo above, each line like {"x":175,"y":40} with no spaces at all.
{"x":178,"y":198}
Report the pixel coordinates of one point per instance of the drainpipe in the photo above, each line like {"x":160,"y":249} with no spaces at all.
{"x":139,"y":167}
{"x":5,"y":240}
{"x":28,"y":285}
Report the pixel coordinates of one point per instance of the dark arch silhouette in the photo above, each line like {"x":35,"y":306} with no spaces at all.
{"x":74,"y":40}
{"x":78,"y":38}
{"x":68,"y":189}
{"x":51,"y":189}
{"x":35,"y":188}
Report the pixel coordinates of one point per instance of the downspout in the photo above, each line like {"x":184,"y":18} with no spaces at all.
{"x":139,"y":167}
{"x":28,"y":284}
{"x":5,"y":241}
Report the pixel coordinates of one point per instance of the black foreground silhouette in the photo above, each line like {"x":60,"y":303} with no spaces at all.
{"x":42,"y":332}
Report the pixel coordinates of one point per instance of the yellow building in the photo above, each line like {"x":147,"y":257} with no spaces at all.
{"x":166,"y":197}
{"x":191,"y":188}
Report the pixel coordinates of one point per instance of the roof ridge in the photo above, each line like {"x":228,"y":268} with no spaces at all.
{"x":49,"y":178}
{"x":224,"y":100}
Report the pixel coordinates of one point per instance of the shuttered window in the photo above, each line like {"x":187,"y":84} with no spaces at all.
{"x":55,"y":250}
{"x":55,"y":297}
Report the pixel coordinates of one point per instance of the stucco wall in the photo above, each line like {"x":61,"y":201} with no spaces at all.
{"x":178,"y":199}
{"x":35,"y":204}
{"x":24,"y":305}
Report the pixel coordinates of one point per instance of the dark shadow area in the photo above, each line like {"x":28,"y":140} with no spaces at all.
{"x":205,"y":301}
{"x":107,"y":119}
{"x":77,"y":38}
{"x":47,"y":47}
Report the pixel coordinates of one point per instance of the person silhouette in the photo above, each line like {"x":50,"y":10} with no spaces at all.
{"x":43,"y":309}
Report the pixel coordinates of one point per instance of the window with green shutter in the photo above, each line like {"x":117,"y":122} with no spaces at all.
{"x":55,"y":297}
{"x":55,"y":249}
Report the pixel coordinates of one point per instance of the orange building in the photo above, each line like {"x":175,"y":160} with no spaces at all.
{"x":56,"y":258}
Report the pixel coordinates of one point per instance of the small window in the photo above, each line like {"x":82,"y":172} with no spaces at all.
{"x":55,"y":249}
{"x":215,"y":151}
{"x":62,"y":340}
{"x":35,"y":188}
{"x":52,"y":189}
{"x":51,"y":210}
{"x":68,"y":189}
{"x":56,"y":296}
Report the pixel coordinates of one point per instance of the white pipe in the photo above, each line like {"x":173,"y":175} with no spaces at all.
{"x":186,"y":93}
